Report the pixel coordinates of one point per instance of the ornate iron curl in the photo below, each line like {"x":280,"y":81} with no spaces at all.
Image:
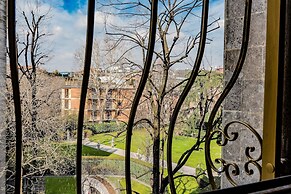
{"x":233,"y":136}
{"x":229,"y":86}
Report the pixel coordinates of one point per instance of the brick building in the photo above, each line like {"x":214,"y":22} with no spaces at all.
{"x":108,"y":99}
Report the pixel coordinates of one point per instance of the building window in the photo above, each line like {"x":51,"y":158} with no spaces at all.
{"x":108,"y":104}
{"x":67,"y":104}
{"x":108,"y":115}
{"x":94,"y":115}
{"x":109,"y":93}
{"x":66,"y":93}
{"x":94,"y":104}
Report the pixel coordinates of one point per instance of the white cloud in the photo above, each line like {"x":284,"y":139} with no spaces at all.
{"x":69,"y":36}
{"x":69,"y":33}
{"x":214,"y":51}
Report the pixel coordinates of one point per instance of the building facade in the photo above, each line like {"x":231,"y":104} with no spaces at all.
{"x":106,"y":101}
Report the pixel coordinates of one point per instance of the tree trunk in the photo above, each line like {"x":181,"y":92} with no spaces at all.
{"x":34,"y":108}
{"x":156,"y":164}
{"x":156,"y":151}
{"x":2,"y":96}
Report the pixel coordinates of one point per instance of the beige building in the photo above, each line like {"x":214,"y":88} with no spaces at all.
{"x":106,"y":101}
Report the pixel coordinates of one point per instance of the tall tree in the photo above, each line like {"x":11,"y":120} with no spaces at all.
{"x":111,"y":82}
{"x":177,"y":40}
{"x":40,"y":94}
{"x":32,"y":53}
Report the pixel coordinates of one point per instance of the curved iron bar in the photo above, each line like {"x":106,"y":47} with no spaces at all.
{"x":234,"y":172}
{"x":229,"y":86}
{"x":233,"y":137}
{"x":141,"y":86}
{"x":193,"y":76}
{"x":85,"y":82}
{"x":16,"y":94}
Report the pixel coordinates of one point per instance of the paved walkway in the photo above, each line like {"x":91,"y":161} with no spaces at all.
{"x":121,"y":152}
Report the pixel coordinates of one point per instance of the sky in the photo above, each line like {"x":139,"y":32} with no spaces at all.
{"x":73,"y":5}
{"x":67,"y":26}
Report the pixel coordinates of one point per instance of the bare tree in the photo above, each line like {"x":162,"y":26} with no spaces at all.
{"x":32,"y":53}
{"x":40,"y":94}
{"x":42,"y":152}
{"x":111,"y":82}
{"x":175,"y":48}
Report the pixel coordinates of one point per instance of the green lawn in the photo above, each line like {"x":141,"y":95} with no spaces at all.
{"x":88,"y":151}
{"x":184,"y":185}
{"x":66,"y":185}
{"x":91,"y":153}
{"x":60,"y":185}
{"x":141,"y":138}
{"x":136,"y":186}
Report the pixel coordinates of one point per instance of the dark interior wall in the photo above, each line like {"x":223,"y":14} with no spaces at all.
{"x":285,"y":59}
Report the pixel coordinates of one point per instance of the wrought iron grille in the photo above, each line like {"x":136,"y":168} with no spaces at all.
{"x":230,"y":169}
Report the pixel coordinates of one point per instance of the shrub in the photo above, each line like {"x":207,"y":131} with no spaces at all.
{"x":113,"y":167}
{"x":106,"y":127}
{"x":87,"y":133}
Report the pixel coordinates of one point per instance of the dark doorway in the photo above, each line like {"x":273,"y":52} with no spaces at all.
{"x":284,"y":93}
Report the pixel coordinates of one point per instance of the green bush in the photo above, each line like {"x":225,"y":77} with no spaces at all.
{"x":113,"y":167}
{"x":106,"y":127}
{"x":87,"y":133}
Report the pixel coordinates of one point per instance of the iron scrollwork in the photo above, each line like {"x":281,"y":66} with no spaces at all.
{"x":232,"y":169}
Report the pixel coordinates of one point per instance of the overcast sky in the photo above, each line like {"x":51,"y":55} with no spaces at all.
{"x":68,"y":27}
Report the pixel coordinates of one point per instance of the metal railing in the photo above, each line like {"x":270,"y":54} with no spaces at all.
{"x":16,"y":94}
{"x":146,"y":70}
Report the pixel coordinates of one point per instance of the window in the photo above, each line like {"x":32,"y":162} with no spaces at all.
{"x":67,"y":104}
{"x":66,"y":93}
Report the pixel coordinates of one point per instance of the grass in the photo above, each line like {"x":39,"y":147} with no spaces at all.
{"x":91,"y":153}
{"x":180,"y":143}
{"x":60,"y":185}
{"x":184,"y":185}
{"x":66,"y":185}
{"x":88,"y":151}
{"x":141,"y":138}
{"x":136,"y":186}
{"x":105,"y":138}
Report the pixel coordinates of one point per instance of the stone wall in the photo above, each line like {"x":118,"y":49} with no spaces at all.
{"x":246,"y":100}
